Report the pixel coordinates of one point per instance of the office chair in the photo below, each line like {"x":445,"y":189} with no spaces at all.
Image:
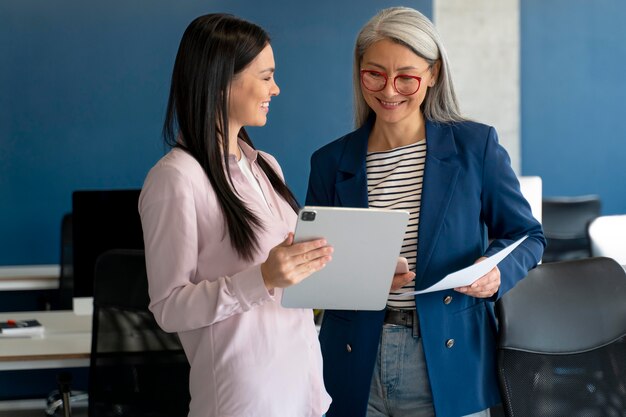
{"x":562,"y":346}
{"x":565,"y":221}
{"x":62,"y":300}
{"x":136,"y":368}
{"x":66,"y":279}
{"x":607,"y":236}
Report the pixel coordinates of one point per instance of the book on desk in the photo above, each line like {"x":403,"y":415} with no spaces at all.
{"x":21,"y":328}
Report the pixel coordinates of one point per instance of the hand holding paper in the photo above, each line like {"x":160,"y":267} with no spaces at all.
{"x":485,"y":286}
{"x":466,"y":276}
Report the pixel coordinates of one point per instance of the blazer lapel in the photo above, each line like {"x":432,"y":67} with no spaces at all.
{"x":440,"y":175}
{"x":351,"y":181}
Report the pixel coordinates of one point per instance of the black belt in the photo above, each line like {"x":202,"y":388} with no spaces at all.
{"x":400,"y":317}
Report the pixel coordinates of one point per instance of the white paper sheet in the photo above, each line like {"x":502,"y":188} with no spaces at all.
{"x":466,"y":276}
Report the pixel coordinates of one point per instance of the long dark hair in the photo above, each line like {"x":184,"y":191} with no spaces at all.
{"x":213,"y":49}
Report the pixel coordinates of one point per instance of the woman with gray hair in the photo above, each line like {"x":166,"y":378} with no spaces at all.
{"x":432,"y":353}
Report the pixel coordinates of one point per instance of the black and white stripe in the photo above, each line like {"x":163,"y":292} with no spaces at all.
{"x":394,"y":181}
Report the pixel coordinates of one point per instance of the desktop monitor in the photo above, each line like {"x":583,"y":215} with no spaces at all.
{"x":102,"y":220}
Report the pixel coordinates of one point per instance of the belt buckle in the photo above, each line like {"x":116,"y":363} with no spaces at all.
{"x":407,"y":318}
{"x":403,"y":318}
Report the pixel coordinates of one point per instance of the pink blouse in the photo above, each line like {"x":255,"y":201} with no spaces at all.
{"x":249,"y":356}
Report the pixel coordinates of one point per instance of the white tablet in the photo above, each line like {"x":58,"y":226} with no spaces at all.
{"x":366,"y":244}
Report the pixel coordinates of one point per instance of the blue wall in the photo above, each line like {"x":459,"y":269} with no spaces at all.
{"x":83,"y":87}
{"x":573,"y":88}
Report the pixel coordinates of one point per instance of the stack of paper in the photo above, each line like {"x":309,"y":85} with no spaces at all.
{"x":20,"y":328}
{"x":467,"y":276}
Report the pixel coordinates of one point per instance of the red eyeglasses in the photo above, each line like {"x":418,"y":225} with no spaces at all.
{"x":404,"y":84}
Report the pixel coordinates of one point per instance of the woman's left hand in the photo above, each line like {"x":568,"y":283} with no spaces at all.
{"x":400,"y":280}
{"x":485,"y":286}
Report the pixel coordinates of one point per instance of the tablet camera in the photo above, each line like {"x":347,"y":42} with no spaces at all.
{"x":308,"y":216}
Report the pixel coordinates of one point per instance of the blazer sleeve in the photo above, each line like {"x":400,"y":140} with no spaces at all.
{"x":508,"y":217}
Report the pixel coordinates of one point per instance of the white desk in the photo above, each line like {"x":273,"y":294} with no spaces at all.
{"x":29,"y":277}
{"x":66,"y":342}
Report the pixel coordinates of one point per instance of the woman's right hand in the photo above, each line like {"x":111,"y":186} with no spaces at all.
{"x":289,"y":263}
{"x":400,"y":280}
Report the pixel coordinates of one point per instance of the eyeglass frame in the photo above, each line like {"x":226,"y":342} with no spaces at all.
{"x":416,"y":77}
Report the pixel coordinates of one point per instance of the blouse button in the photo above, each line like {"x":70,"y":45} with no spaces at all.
{"x":449,"y":343}
{"x":447,"y":299}
{"x":348,"y":348}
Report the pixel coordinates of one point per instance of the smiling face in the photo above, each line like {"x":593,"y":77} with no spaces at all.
{"x":251,"y":91}
{"x":393,"y":59}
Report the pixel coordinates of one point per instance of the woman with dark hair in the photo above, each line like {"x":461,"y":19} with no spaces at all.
{"x":433,"y":353}
{"x":217,"y":220}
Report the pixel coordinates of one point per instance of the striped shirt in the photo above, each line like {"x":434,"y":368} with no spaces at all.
{"x":394,"y":181}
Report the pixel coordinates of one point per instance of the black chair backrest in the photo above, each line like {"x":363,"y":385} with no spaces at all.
{"x":102,"y":220}
{"x":136,"y":368}
{"x":565,"y":221}
{"x":561,"y":347}
{"x":66,"y":279}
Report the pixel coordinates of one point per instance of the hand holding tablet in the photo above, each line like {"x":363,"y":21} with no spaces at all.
{"x":402,"y":267}
{"x":366,"y":244}
{"x":402,"y":275}
{"x":289,"y":263}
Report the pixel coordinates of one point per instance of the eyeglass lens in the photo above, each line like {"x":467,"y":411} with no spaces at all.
{"x":376,"y":81}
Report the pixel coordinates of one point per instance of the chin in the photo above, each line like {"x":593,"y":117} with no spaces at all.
{"x":256,"y":123}
{"x":389,"y":118}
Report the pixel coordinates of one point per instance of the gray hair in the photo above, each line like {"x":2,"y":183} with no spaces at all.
{"x":412,"y":29}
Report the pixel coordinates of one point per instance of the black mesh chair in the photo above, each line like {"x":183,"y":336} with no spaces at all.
{"x":562,"y":347}
{"x":62,"y":300}
{"x":565,"y":221}
{"x":136,"y":368}
{"x":66,"y":279}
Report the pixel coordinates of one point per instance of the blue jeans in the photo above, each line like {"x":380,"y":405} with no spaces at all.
{"x":400,"y":385}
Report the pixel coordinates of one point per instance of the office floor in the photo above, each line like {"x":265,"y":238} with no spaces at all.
{"x":36,"y":413}
{"x":36,"y":408}
{"x":80,"y":412}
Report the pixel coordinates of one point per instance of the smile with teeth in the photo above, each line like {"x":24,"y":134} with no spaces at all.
{"x":265,"y":105}
{"x":390,"y":103}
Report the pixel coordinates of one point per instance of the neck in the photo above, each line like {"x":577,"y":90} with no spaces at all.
{"x":233,"y":142}
{"x":385,"y":136}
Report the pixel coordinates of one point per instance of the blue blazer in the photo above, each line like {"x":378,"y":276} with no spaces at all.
{"x":471,"y":206}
